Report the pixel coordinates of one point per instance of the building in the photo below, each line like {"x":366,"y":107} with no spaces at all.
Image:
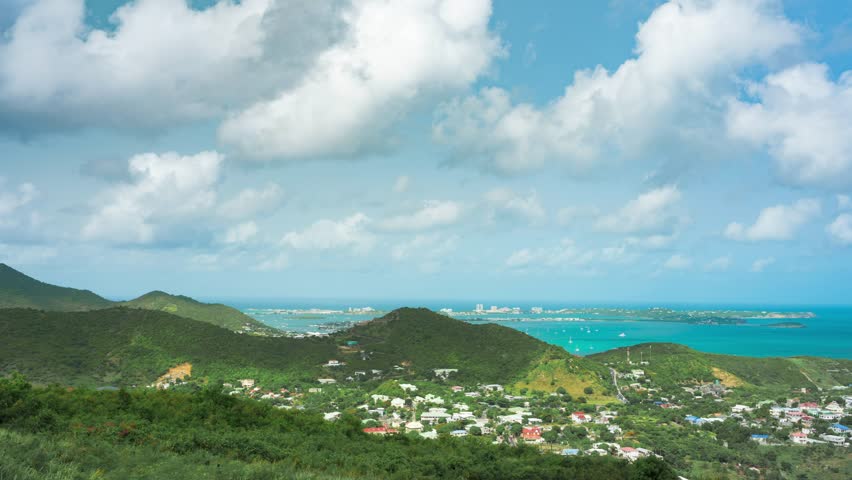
{"x":380,"y":431}
{"x":580,"y":417}
{"x":457,"y":388}
{"x":570,"y":451}
{"x":799,"y":438}
{"x":760,"y":438}
{"x":326,"y":381}
{"x":531,"y":433}
{"x":247,"y":382}
{"x":839,"y":429}
{"x":414,"y":427}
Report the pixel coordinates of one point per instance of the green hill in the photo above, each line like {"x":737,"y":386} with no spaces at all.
{"x":420,"y":341}
{"x":20,"y":291}
{"x":126,"y":346}
{"x":123,"y":346}
{"x":673,"y":364}
{"x":215,"y":313}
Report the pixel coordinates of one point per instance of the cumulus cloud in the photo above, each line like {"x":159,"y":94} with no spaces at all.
{"x":393,"y":56}
{"x":240,"y":233}
{"x":14,"y":200}
{"x":505,"y":204}
{"x":164,"y":192}
{"x":841,"y":229}
{"x":251,"y":201}
{"x":677,"y":262}
{"x":650,"y":212}
{"x":348,"y":233}
{"x":719,"y":264}
{"x":56,"y":72}
{"x":686,"y":53}
{"x":433,"y":214}
{"x":805,"y":120}
{"x":274,"y":263}
{"x":779,"y":222}
{"x":566,"y":254}
{"x":26,"y":254}
{"x":760,"y":264}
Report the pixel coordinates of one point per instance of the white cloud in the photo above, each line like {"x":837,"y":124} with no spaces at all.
{"x":56,"y":72}
{"x":505,"y":204}
{"x":844,"y":202}
{"x":433,"y":214}
{"x":650,"y":212}
{"x":401,"y":184}
{"x":564,"y":253}
{"x":12,"y":201}
{"x":274,"y":263}
{"x":429,"y":252}
{"x":687,"y":53}
{"x":393,"y":56}
{"x":779,"y":222}
{"x":678,"y":262}
{"x":805,"y":120}
{"x":252,"y":201}
{"x":26,"y":254}
{"x":719,"y":264}
{"x":841,"y":229}
{"x":165,"y":190}
{"x":241,"y":233}
{"x":567,"y":253}
{"x":349,"y":233}
{"x":760,"y":264}
{"x":652,"y":242}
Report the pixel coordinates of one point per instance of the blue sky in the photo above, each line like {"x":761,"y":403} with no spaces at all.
{"x":430,"y":149}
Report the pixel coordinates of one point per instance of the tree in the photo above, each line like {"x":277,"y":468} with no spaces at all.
{"x":652,"y":468}
{"x":588,"y":390}
{"x":475,"y":431}
{"x":561,"y":391}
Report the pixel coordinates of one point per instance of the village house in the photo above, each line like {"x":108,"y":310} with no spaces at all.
{"x":334,"y":363}
{"x":397,"y":402}
{"x":740,"y":409}
{"x":760,"y":438}
{"x":380,"y":430}
{"x":531,"y":434}
{"x":799,"y":438}
{"x":580,"y":417}
{"x":247,"y":382}
{"x":459,"y":433}
{"x":408,"y":387}
{"x":493,"y":387}
{"x":414,"y":426}
{"x":457,"y":388}
{"x":331,"y":416}
{"x":326,"y":381}
{"x":839,"y":429}
{"x":434,"y":415}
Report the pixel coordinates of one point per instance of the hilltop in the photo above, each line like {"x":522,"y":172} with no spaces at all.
{"x":18,"y":290}
{"x":673,"y":364}
{"x":125,"y":346}
{"x":214,"y":313}
{"x":422,"y":341}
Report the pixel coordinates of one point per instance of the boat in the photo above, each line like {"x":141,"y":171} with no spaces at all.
{"x":622,"y":334}
{"x":570,"y":340}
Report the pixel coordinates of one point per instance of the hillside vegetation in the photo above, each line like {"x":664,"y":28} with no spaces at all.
{"x":122,"y":346}
{"x":20,"y":291}
{"x":421,"y":341}
{"x":215,"y":313}
{"x":59,"y":434}
{"x":673,"y":364}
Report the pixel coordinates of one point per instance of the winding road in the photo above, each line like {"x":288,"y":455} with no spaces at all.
{"x":618,"y":394}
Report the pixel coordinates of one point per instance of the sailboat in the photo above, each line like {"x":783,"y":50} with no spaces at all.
{"x":622,"y":334}
{"x":570,"y":340}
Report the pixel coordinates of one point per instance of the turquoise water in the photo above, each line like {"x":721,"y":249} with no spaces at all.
{"x":829,"y":334}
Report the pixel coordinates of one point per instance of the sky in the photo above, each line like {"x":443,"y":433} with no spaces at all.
{"x":638,"y":151}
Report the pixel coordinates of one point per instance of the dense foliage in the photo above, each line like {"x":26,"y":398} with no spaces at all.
{"x":62,"y":434}
{"x":121,"y":346}
{"x":215,"y":313}
{"x":20,"y":291}
{"x":673,"y":364}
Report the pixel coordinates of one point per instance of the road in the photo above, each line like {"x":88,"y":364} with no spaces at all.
{"x":618,"y":394}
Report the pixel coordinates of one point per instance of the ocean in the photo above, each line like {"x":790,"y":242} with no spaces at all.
{"x":827,"y":334}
